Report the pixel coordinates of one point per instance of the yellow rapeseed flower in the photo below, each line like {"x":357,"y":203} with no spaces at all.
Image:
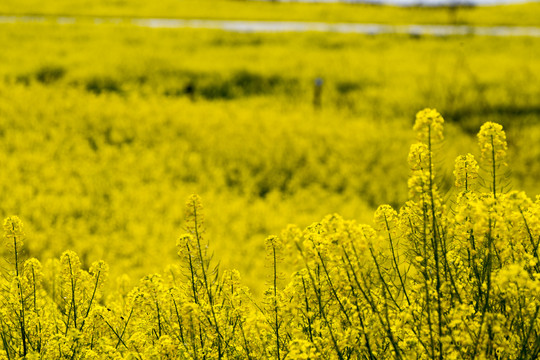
{"x":429,"y":126}
{"x":418,"y":157}
{"x":13,"y":227}
{"x":385,"y":217}
{"x":492,"y":141}
{"x":465,"y":172}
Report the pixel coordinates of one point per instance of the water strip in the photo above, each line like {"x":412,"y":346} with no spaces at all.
{"x":245,"y":26}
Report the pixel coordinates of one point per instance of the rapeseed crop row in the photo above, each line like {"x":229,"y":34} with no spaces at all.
{"x":451,"y":274}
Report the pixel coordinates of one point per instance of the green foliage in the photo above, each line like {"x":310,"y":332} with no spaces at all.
{"x":98,"y":85}
{"x":49,"y":74}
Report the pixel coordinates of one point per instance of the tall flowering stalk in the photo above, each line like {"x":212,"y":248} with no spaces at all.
{"x":13,"y":236}
{"x":493,"y":147}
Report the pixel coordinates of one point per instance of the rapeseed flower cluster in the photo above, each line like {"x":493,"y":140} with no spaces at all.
{"x":429,"y":126}
{"x":436,"y":279}
{"x":466,"y":172}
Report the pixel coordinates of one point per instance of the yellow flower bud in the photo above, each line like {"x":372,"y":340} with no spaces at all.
{"x":465,"y":172}
{"x":13,"y":227}
{"x":419,"y":157}
{"x":429,"y":126}
{"x":385,"y":217}
{"x":492,"y":141}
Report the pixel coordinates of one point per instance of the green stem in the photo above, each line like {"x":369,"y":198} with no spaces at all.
{"x":494,"y":168}
{"x":276,"y":317}
{"x":21,"y":297}
{"x":74,"y":305}
{"x":394,"y":258}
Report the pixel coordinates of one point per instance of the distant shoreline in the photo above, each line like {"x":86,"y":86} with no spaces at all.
{"x":412,"y":3}
{"x":246,"y":26}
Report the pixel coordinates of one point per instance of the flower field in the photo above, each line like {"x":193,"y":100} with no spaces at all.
{"x":436,"y":279}
{"x":99,"y":121}
{"x":106,"y":130}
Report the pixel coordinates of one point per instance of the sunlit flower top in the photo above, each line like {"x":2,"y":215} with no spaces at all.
{"x":429,"y":125}
{"x":418,"y":157}
{"x":13,"y":226}
{"x":385,"y":217}
{"x":492,"y":141}
{"x":13,"y":229}
{"x":466,"y":172}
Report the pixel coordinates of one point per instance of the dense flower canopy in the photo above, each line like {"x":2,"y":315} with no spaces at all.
{"x":438,"y":279}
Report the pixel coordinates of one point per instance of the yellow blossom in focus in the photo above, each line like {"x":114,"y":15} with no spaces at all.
{"x":429,"y":126}
{"x":492,"y":141}
{"x":419,"y":157}
{"x":465,"y":172}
